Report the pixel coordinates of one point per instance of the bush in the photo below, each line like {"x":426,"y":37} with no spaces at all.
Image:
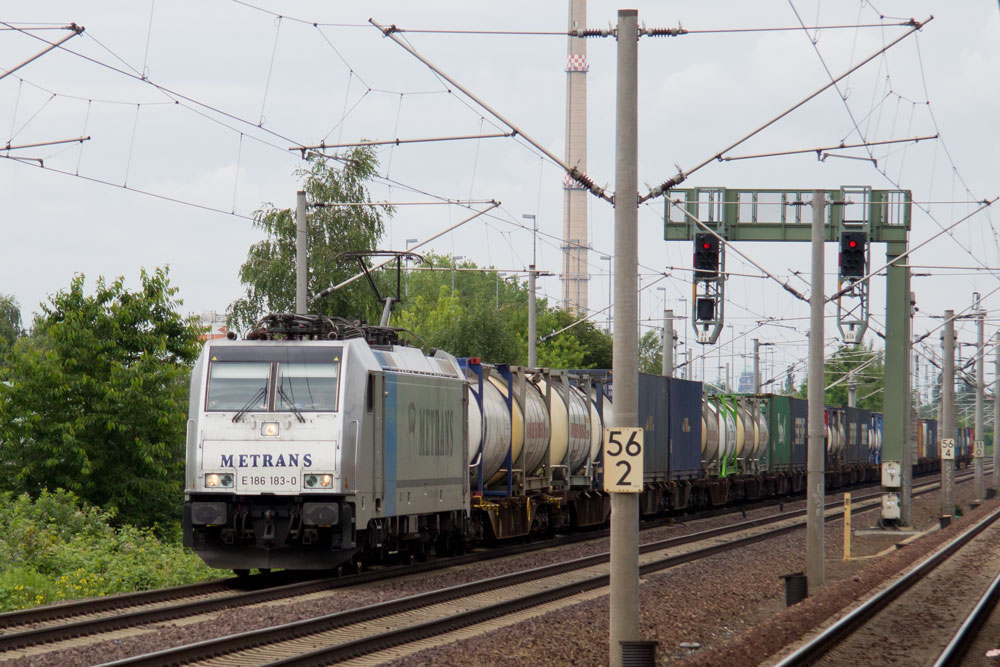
{"x":56,"y":548}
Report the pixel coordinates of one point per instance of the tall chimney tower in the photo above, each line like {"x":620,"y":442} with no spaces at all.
{"x":575,"y":272}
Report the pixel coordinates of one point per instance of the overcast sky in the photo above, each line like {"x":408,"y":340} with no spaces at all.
{"x":230,"y":87}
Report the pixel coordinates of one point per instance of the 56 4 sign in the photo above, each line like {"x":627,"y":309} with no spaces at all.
{"x":948,"y":449}
{"x":623,"y":460}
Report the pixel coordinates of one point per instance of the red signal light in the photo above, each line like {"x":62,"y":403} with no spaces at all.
{"x":852,"y":254}
{"x":706,"y":256}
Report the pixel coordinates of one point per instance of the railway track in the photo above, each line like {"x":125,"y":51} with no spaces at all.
{"x":969,"y":645}
{"x":20,"y":630}
{"x":51,"y":623}
{"x":270,"y":586}
{"x":375,"y":628}
{"x":940,"y":596}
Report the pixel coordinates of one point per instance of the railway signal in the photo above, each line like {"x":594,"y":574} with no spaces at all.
{"x":853,"y":254}
{"x":706,"y":256}
{"x":852,"y":292}
{"x":708,"y":286}
{"x":705,"y":309}
{"x":776,"y":216}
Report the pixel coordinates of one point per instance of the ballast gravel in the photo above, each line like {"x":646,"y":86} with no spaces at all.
{"x":724,"y":610}
{"x":727,"y":610}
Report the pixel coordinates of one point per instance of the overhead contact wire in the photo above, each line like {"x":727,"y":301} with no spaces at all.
{"x":574,"y":173}
{"x":682,"y":176}
{"x":270,"y":70}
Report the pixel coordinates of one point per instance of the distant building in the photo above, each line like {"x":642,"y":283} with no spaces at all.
{"x":746,"y":383}
{"x":215,"y":323}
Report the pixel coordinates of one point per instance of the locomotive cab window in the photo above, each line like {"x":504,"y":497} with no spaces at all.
{"x":235,"y":385}
{"x":309,"y":387}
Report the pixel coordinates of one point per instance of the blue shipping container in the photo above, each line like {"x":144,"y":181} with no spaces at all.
{"x":875,"y":455}
{"x":653,"y":419}
{"x":857,"y":435}
{"x":685,"y":428}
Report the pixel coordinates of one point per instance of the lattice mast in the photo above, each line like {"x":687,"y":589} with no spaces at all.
{"x":575,"y":273}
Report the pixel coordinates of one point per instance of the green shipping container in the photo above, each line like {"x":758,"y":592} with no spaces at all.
{"x":780,"y":423}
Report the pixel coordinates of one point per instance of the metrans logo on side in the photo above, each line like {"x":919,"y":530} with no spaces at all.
{"x":264,"y":460}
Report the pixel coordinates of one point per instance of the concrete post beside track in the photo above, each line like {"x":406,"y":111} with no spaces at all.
{"x":756,"y":365}
{"x":815,"y":463}
{"x":301,"y":245}
{"x":624,"y":596}
{"x":996,"y":414}
{"x":668,"y":343}
{"x":947,"y":426}
{"x":532,"y":326}
{"x":979,"y":440}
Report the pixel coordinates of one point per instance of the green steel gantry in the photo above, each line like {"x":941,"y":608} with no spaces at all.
{"x":786,"y":215}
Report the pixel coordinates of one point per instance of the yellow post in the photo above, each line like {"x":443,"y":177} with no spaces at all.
{"x":847,"y":527}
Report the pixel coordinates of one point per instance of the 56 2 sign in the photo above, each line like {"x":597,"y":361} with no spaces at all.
{"x":623,"y":460}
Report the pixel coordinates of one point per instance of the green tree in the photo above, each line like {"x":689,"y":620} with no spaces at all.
{"x":466,"y":322}
{"x":10,"y":322}
{"x":269,"y":272}
{"x":487,"y":316}
{"x":789,"y":389}
{"x":590,"y":347}
{"x":868,"y":369}
{"x":94,"y":401}
{"x":651,"y":353}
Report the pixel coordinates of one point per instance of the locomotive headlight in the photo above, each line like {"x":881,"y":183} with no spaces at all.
{"x":269,"y":429}
{"x":318,"y":481}
{"x":215,"y":480}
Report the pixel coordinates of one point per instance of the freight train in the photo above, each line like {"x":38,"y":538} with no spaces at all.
{"x":319,"y":442}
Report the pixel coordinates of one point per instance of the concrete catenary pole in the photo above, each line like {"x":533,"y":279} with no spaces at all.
{"x":996,"y":415}
{"x":815,"y":464}
{"x":852,"y":392}
{"x":624,"y":621}
{"x":668,"y":343}
{"x":980,"y":389}
{"x":947,"y":424}
{"x":532,"y":333}
{"x":756,"y":365}
{"x":301,"y":264}
{"x":575,"y":276}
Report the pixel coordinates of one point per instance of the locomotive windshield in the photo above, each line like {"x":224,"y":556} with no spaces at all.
{"x":273,"y":378}
{"x":307,"y":387}
{"x":235,"y":385}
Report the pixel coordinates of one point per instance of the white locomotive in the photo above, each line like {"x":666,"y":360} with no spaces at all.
{"x":317,"y":441}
